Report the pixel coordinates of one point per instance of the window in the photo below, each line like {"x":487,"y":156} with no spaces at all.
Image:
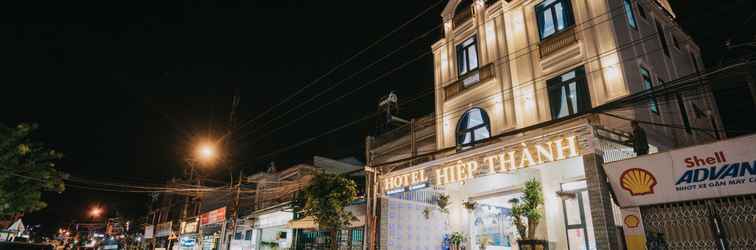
{"x":662,"y":37}
{"x":642,"y":11}
{"x":467,"y":56}
{"x":653,"y":105}
{"x":248,"y":235}
{"x":630,"y":15}
{"x":553,"y":16}
{"x":568,"y":94}
{"x":683,"y":113}
{"x":473,"y":127}
{"x":238,"y":236}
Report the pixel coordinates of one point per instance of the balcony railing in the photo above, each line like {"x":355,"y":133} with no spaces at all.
{"x":469,"y":80}
{"x":558,"y":41}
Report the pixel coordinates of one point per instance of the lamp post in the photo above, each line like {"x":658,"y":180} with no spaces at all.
{"x":205,"y":153}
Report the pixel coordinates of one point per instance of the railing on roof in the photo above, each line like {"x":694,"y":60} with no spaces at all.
{"x":614,"y":145}
{"x":558,"y":41}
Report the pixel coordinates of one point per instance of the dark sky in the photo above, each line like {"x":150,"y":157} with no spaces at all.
{"x":124,"y":88}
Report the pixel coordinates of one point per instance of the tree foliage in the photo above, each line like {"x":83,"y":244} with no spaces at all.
{"x":27,"y":168}
{"x":326,"y":199}
{"x":528,"y":209}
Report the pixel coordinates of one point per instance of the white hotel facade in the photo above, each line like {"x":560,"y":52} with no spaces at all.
{"x":515,"y":81}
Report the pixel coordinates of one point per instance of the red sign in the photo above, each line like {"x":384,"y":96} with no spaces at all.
{"x":215,"y":216}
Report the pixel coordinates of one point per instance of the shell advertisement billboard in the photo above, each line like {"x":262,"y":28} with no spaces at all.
{"x":722,"y":168}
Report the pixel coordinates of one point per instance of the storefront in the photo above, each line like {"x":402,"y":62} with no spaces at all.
{"x":244,"y":237}
{"x":701,"y":197}
{"x":163,"y":232}
{"x":471,"y":191}
{"x":272,"y":231}
{"x":188,"y":238}
{"x":309,"y":236}
{"x":211,"y":226}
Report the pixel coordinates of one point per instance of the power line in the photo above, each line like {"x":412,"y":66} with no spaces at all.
{"x":532,"y":45}
{"x":607,"y":106}
{"x":597,"y":57}
{"x":350,"y":59}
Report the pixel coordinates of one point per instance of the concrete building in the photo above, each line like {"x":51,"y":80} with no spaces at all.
{"x":519,"y":86}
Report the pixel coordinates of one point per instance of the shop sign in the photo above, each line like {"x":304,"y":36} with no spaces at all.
{"x":148,"y":231}
{"x":189,"y":227}
{"x":188,"y":241}
{"x":273,"y":219}
{"x":163,"y":229}
{"x":722,"y":168}
{"x":215,"y":216}
{"x":504,"y":160}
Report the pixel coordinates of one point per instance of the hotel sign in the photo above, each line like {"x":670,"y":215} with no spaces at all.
{"x":503,"y":160}
{"x":722,"y":168}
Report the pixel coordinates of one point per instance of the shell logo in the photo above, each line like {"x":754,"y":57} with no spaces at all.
{"x":632,"y":221}
{"x":638,"y":181}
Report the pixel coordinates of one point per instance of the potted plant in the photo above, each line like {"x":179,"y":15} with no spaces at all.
{"x":443,"y":202}
{"x":484,"y":241}
{"x":470,"y":205}
{"x":456,"y":239}
{"x":427,"y":213}
{"x":526,"y":215}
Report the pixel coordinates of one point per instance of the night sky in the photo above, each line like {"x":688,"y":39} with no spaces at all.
{"x":124,"y":89}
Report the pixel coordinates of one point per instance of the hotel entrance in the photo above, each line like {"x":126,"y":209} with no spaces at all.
{"x":491,"y":225}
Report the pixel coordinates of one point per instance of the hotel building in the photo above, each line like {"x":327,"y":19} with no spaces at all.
{"x":517,"y":86}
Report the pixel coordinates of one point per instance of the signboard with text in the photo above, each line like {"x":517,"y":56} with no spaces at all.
{"x":163,"y":229}
{"x":503,"y":159}
{"x":189,"y":227}
{"x":723,"y":168}
{"x":214,"y":216}
{"x":148,"y":231}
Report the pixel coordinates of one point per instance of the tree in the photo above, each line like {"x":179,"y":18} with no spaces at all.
{"x":528,"y":208}
{"x":27,"y":168}
{"x":326,"y":199}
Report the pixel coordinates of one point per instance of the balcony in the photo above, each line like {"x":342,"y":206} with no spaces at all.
{"x":469,"y":80}
{"x":558,"y":41}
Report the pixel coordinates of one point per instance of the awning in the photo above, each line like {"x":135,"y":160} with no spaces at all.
{"x":303,"y":223}
{"x":309,"y":223}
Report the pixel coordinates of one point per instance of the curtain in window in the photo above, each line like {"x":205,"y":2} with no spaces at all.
{"x":568,"y":94}
{"x":553,"y":16}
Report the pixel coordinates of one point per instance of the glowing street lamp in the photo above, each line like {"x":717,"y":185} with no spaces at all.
{"x":95,"y":212}
{"x":206,"y":152}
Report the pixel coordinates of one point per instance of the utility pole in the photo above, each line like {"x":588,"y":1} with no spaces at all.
{"x":236,"y":208}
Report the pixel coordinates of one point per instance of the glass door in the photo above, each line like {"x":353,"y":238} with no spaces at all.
{"x":491,"y":223}
{"x":577,"y":210}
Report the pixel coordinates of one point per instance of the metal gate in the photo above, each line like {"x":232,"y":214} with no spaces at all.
{"x":349,"y":239}
{"x":724,"y":223}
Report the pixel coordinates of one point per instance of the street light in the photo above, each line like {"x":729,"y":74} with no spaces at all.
{"x":95,"y":212}
{"x":206,"y":152}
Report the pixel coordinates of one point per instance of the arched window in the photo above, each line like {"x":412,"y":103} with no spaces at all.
{"x":462,"y":6}
{"x":473,"y":127}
